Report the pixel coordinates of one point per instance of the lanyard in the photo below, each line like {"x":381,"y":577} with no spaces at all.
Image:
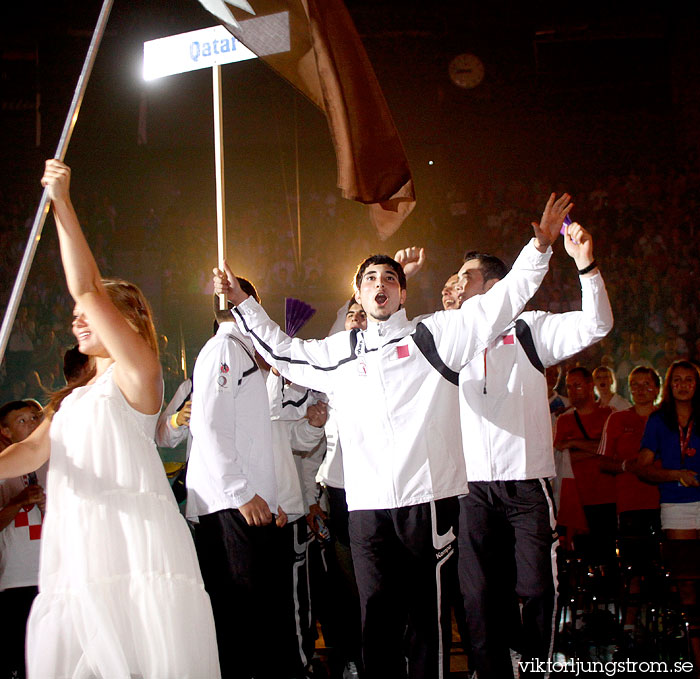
{"x":684,"y":436}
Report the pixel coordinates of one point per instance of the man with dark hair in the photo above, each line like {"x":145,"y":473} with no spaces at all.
{"x":232,"y":494}
{"x":395,"y":388}
{"x":384,"y":260}
{"x":490,"y":266}
{"x":22,"y":502}
{"x":507,"y":541}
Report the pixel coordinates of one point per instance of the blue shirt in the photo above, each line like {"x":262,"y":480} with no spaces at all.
{"x":665,"y":444}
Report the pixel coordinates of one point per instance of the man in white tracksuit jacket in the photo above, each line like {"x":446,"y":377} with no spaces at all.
{"x":395,"y":390}
{"x":231,"y":498}
{"x":507,"y":540}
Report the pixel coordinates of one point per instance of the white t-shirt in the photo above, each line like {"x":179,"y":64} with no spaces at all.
{"x":20,"y":541}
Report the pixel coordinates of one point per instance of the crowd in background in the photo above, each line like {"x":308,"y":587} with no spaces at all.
{"x":643,"y":221}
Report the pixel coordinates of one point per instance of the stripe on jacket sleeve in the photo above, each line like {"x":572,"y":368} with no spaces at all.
{"x":425,"y":342}
{"x":298,"y":361}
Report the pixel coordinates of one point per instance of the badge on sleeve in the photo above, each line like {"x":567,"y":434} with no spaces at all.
{"x":223,"y":368}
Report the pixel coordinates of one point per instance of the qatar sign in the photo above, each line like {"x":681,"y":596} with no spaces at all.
{"x":191,"y":51}
{"x":214,"y":46}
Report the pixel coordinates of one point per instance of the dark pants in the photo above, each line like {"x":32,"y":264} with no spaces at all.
{"x":294,"y":635}
{"x":400,"y":557}
{"x":507,"y":572}
{"x":15,"y":604}
{"x":335,"y":597}
{"x":241,"y":575}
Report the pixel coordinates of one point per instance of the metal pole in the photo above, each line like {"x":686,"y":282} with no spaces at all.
{"x":43,"y":209}
{"x":219,"y":164}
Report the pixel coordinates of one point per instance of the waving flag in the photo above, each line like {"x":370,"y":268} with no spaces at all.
{"x":328,"y":63}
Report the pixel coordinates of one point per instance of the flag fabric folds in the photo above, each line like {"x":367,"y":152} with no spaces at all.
{"x":328,"y":64}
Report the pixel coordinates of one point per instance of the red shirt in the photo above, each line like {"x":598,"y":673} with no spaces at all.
{"x":621,"y":440}
{"x":594,"y":487}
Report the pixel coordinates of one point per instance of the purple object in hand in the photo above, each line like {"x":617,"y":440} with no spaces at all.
{"x":567,"y":222}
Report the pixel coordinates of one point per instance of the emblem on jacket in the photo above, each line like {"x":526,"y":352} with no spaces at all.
{"x":223,"y":368}
{"x":401,"y":351}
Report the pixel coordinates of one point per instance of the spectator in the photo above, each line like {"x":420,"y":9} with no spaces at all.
{"x":605,"y":389}
{"x":671,"y":436}
{"x":579,"y":431}
{"x":22,"y":506}
{"x":636,"y":501}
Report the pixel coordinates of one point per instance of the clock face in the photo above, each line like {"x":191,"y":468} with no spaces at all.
{"x":466,"y":70}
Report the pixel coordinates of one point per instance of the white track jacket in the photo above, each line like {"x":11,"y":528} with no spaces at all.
{"x":395,"y":387}
{"x":231,"y":459}
{"x":506,"y":426}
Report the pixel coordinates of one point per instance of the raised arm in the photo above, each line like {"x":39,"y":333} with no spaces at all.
{"x":308,"y":363}
{"x":411,"y":259}
{"x":483,"y":318}
{"x":137,"y":370}
{"x":559,"y":336}
{"x":549,"y":226}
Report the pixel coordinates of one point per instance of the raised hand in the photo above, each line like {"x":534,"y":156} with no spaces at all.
{"x":225,"y":283}
{"x":579,"y":245}
{"x":56,"y":179}
{"x":411,"y":259}
{"x":548,"y":228}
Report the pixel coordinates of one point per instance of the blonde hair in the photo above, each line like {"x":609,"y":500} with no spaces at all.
{"x":134,"y":307}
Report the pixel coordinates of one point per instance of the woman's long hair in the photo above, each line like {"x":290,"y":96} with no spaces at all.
{"x":667,"y":408}
{"x":134,"y":307}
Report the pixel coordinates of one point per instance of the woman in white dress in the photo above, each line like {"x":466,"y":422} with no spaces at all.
{"x":120,"y":592}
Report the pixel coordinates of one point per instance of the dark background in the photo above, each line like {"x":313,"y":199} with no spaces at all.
{"x":573,"y":92}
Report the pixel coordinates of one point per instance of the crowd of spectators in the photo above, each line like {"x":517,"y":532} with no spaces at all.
{"x":643,"y":221}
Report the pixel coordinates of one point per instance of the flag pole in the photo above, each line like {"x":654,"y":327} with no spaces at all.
{"x":183,"y":353}
{"x":43,"y":209}
{"x":219,"y":169}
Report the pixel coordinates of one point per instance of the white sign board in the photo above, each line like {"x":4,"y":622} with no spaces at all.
{"x":191,"y":51}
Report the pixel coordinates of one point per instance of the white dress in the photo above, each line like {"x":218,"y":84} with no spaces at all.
{"x":121,"y":594}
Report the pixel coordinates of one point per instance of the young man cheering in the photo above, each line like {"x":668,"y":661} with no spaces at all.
{"x":395,"y":390}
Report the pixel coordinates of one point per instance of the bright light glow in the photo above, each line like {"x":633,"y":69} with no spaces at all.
{"x":191,"y":51}
{"x":430,"y":162}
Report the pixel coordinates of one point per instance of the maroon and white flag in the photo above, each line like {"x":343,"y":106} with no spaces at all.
{"x":327,"y":62}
